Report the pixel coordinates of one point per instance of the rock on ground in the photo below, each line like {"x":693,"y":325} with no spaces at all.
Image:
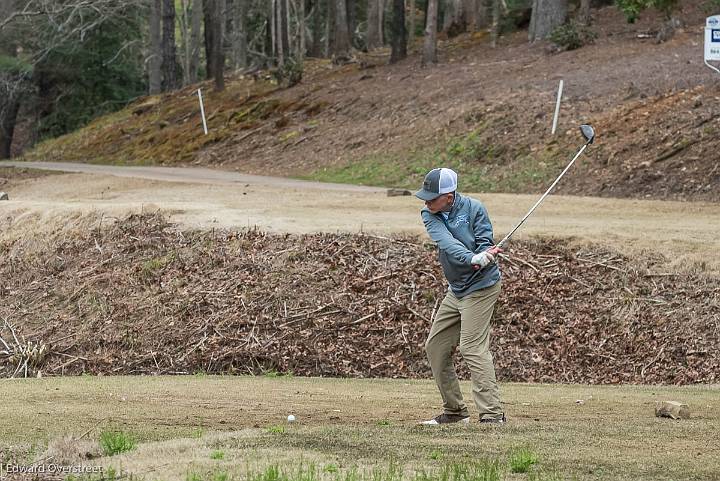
{"x":672,"y":409}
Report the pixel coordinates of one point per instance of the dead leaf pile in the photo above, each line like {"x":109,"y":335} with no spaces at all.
{"x":141,"y":296}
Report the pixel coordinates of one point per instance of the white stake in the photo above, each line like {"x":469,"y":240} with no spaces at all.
{"x":557,"y":107}
{"x":202,"y":111}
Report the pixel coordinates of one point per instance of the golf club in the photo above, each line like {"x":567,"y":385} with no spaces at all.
{"x":589,"y":135}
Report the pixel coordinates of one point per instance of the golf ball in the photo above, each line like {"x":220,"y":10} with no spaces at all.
{"x":291,"y":418}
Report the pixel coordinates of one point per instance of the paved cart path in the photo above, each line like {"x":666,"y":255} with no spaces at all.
{"x":203,"y":198}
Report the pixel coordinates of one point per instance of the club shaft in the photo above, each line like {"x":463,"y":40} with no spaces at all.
{"x":547,"y":192}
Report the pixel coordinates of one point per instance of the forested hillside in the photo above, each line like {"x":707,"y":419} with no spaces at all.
{"x":374,"y":91}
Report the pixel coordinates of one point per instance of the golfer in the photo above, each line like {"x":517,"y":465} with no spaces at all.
{"x":461,"y":228}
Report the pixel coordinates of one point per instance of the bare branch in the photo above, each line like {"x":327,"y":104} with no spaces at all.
{"x":125,"y":45}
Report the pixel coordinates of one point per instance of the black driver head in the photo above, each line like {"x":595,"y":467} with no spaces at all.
{"x":588,"y":132}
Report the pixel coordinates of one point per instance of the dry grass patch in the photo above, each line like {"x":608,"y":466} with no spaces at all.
{"x":180,"y":422}
{"x":71,"y":450}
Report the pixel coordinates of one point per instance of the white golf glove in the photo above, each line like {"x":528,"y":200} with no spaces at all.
{"x":483,"y":259}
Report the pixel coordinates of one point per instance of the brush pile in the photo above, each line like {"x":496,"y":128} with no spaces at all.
{"x":140,"y":296}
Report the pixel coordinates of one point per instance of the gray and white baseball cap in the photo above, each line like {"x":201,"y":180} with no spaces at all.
{"x":437,"y":182}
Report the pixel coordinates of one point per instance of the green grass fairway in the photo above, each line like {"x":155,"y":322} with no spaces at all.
{"x":223,"y":428}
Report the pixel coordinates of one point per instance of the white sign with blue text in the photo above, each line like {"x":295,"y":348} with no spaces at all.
{"x":712,"y":38}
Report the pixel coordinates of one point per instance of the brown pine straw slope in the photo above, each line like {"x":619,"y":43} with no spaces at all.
{"x":140,"y":296}
{"x":486,"y":111}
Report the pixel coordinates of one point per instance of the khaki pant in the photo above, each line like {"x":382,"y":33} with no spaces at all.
{"x":465,"y":322}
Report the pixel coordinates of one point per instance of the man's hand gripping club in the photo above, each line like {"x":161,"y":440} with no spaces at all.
{"x":485,"y":258}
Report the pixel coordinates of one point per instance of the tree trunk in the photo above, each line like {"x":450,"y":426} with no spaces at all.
{"x":301,"y":42}
{"x":477,"y":14}
{"x":273,"y":26}
{"x":318,"y":28}
{"x":184,"y":21}
{"x":218,"y":63}
{"x":495,"y":30}
{"x":470,"y":9}
{"x":454,"y":21}
{"x":195,"y":29}
{"x":381,"y":19}
{"x":235,"y":33}
{"x":208,"y":7}
{"x":411,"y":20}
{"x":374,"y":39}
{"x":329,"y":28}
{"x":584,"y":12}
{"x":341,"y":42}
{"x":9,"y":108}
{"x":351,"y":8}
{"x":283,"y":40}
{"x":547,"y":15}
{"x":268,"y":41}
{"x":213,"y":11}
{"x":154,"y":62}
{"x":169,"y":53}
{"x":288,"y":34}
{"x":425,"y":16}
{"x":430,"y":48}
{"x":484,"y":13}
{"x":10,"y":84}
{"x":279,"y":46}
{"x":46,"y":93}
{"x":399,"y":35}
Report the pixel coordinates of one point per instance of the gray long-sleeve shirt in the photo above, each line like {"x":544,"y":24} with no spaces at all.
{"x":465,"y":232}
